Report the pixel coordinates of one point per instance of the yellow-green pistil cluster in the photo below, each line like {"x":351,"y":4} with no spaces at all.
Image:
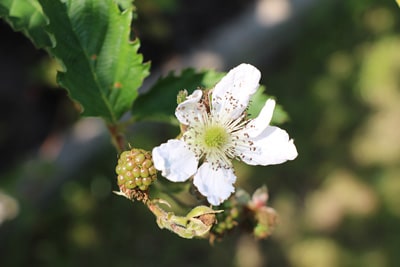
{"x":135,"y":169}
{"x":214,"y":140}
{"x":215,"y":137}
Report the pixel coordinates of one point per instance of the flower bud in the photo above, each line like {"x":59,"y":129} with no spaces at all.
{"x":228,"y":219}
{"x":182,"y":95}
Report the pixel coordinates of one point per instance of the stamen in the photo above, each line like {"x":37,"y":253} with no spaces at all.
{"x":218,"y":139}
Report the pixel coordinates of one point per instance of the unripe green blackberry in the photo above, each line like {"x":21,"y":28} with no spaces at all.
{"x":135,"y":170}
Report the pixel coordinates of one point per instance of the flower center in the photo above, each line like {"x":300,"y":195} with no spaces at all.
{"x":215,"y":137}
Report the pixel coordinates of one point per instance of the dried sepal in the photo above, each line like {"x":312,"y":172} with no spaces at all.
{"x":197,"y":223}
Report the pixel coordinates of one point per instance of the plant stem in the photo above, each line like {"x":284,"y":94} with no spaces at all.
{"x":117,"y":137}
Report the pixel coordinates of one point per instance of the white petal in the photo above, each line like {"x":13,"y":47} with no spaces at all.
{"x":272,"y":146}
{"x":231,"y":95}
{"x":215,"y":184}
{"x":175,"y":161}
{"x":259,"y":124}
{"x":190,"y":110}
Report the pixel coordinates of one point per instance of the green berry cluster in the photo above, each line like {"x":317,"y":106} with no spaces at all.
{"x":135,"y":169}
{"x":226,"y":220}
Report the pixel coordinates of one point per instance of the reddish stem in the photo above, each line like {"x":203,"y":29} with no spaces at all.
{"x":117,"y":137}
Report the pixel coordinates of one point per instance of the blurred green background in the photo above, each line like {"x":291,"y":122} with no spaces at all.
{"x":337,"y":75}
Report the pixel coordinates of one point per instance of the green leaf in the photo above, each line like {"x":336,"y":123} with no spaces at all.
{"x":101,"y":67}
{"x":257,"y":103}
{"x":124,"y":4}
{"x":159,"y":103}
{"x":26,"y":16}
{"x":280,"y":115}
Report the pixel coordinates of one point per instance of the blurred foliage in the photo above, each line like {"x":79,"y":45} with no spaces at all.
{"x":149,"y":107}
{"x":339,"y":80}
{"x":27,"y":17}
{"x":109,"y":71}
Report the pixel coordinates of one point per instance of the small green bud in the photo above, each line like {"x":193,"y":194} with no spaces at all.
{"x":234,"y":212}
{"x":229,"y":219}
{"x":182,"y":95}
{"x":261,"y":231}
